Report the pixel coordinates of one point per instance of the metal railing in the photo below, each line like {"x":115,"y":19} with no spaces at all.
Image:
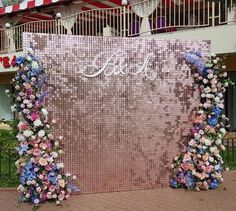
{"x":8,"y":157}
{"x":128,"y":21}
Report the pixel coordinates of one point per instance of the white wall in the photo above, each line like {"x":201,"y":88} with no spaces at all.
{"x":223,"y":38}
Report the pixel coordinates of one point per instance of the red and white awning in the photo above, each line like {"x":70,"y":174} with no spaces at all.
{"x":26,"y":5}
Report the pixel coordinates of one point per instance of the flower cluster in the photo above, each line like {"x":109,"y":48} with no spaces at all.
{"x":200,"y":167}
{"x":41,"y":176}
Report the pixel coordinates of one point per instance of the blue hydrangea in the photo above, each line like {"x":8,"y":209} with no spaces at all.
{"x":20,"y":60}
{"x":217,"y":111}
{"x":213,"y":121}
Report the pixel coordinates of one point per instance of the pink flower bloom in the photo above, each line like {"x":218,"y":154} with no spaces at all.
{"x":37,"y":152}
{"x":52,"y":188}
{"x":34,"y":116}
{"x":48,"y":167}
{"x":209,"y":168}
{"x":22,"y":126}
{"x":184,"y":166}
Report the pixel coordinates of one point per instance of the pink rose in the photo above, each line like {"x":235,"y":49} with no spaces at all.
{"x":36,"y":152}
{"x":17,"y":87}
{"x":34,"y":116}
{"x":48,"y":167}
{"x":52,"y":188}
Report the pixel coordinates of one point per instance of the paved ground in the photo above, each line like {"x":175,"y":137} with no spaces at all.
{"x":223,"y":199}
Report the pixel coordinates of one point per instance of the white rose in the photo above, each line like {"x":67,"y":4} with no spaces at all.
{"x":207,"y":89}
{"x":205,"y":81}
{"x":207,"y":142}
{"x":7,"y":91}
{"x":222,"y":130}
{"x":213,"y":149}
{"x":218,"y":142}
{"x":44,"y":111}
{"x":41,"y":133}
{"x":217,"y":99}
{"x":211,"y":159}
{"x":27,"y":133}
{"x":210,"y":76}
{"x":37,"y":123}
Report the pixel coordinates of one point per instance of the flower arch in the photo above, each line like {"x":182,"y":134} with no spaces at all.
{"x":41,"y":175}
{"x":200,"y":166}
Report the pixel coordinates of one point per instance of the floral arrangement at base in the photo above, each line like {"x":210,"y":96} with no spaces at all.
{"x":41,"y":176}
{"x":200,"y":166}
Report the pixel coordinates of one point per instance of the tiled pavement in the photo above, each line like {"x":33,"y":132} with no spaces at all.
{"x":223,"y":199}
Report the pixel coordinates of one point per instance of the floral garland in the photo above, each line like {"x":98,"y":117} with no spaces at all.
{"x":41,"y":176}
{"x":200,"y":167}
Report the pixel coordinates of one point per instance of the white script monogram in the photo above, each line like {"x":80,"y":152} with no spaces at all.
{"x":117,"y":64}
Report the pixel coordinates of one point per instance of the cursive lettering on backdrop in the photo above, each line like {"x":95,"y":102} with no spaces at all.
{"x":115,"y":64}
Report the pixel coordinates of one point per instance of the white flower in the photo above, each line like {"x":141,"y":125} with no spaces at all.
{"x":41,"y":133}
{"x":216,"y":167}
{"x":218,"y":141}
{"x":222,"y":130}
{"x":29,"y":58}
{"x":27,"y":133}
{"x":217,"y":99}
{"x":7,"y":91}
{"x":44,"y":111}
{"x":213,"y":149}
{"x":172,"y":166}
{"x":75,"y":177}
{"x":213,"y":55}
{"x":53,"y":121}
{"x":215,"y":61}
{"x":59,"y":176}
{"x":60,"y":166}
{"x":38,"y":123}
{"x":211,"y":159}
{"x":56,"y":144}
{"x":34,"y":65}
{"x":225,"y":74}
{"x":205,"y":81}
{"x":201,"y":132}
{"x":207,"y":142}
{"x":13,"y":108}
{"x":227,"y":169}
{"x":210,"y":76}
{"x":226,"y":84}
{"x":30,"y":50}
{"x":224,"y":67}
{"x":60,"y":137}
{"x":58,"y":202}
{"x":207,"y":89}
{"x":27,"y":195}
{"x":192,"y":142}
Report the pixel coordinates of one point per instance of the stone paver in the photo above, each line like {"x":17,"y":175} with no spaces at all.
{"x":223,"y":199}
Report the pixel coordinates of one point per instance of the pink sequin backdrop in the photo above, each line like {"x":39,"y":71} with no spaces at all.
{"x":123,"y":127}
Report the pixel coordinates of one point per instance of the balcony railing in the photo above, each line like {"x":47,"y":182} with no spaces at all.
{"x":145,"y":18}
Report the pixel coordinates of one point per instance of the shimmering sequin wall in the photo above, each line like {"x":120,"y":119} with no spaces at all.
{"x":123,"y":105}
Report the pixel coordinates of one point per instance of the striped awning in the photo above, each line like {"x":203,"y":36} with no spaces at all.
{"x":26,"y":5}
